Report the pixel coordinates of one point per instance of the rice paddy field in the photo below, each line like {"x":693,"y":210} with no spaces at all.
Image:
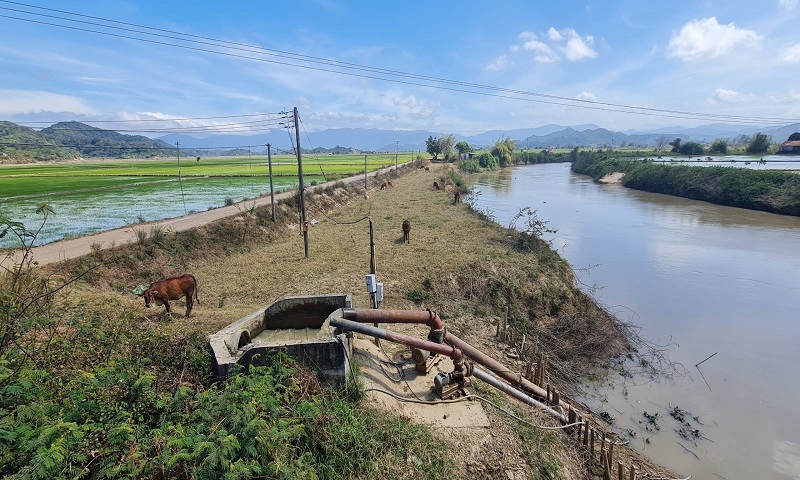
{"x":91,"y":196}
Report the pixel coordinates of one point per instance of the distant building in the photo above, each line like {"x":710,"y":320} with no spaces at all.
{"x":791,"y":147}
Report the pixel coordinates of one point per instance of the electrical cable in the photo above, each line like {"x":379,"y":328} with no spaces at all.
{"x":577,"y":103}
{"x":469,"y":397}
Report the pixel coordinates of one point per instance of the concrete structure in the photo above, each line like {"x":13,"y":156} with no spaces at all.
{"x":298,"y":326}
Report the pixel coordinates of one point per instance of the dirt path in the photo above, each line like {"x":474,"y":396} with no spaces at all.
{"x":77,"y":247}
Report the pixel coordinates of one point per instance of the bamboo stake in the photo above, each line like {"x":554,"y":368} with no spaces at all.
{"x":586,"y":434}
{"x":610,"y":452}
{"x":632,"y":474}
{"x":620,"y":470}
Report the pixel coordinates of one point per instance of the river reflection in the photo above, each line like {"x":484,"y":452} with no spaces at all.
{"x":698,"y":277}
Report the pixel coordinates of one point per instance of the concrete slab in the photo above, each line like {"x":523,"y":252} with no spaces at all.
{"x":379,"y":373}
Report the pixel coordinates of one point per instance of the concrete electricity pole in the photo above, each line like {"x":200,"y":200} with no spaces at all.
{"x":303,"y":222}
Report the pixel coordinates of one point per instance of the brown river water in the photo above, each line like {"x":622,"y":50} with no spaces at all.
{"x":701,"y":280}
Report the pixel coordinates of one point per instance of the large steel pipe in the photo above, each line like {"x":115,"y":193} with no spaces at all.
{"x":452,"y":352}
{"x":369,"y":315}
{"x":521,"y":396}
{"x":515,"y":379}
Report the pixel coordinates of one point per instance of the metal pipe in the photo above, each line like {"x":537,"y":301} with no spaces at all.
{"x":521,"y":396}
{"x":452,"y":352}
{"x":515,"y":379}
{"x":365,"y":315}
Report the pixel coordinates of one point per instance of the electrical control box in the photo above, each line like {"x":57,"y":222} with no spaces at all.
{"x":379,"y":293}
{"x":372,"y":285}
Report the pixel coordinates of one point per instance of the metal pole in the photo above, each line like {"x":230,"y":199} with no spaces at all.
{"x":303,"y":224}
{"x":271,"y":189}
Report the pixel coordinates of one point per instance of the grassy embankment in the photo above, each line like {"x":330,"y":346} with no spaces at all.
{"x":772,"y":191}
{"x":92,"y":384}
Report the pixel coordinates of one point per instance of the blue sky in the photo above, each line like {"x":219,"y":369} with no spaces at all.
{"x":730,"y":58}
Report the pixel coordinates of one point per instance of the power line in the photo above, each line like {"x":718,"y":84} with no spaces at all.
{"x":344,"y":68}
{"x":160,"y":119}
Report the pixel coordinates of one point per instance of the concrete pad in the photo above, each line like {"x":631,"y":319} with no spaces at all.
{"x":412,"y":385}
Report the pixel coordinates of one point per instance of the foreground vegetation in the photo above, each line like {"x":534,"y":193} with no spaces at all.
{"x":767,"y":190}
{"x":92,"y":385}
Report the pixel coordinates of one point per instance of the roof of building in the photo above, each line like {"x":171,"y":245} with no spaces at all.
{"x":793,"y":143}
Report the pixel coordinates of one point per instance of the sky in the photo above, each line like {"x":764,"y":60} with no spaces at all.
{"x":462,"y":67}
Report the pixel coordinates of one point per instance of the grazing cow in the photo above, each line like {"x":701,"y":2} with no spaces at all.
{"x":406,"y":231}
{"x":383,"y":186}
{"x":389,"y":183}
{"x":162,"y":291}
{"x":427,"y":169}
{"x":457,"y":196}
{"x":436,"y":185}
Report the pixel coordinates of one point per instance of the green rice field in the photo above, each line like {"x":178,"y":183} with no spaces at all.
{"x":95,"y":195}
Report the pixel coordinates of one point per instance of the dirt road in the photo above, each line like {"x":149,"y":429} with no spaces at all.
{"x":77,"y":247}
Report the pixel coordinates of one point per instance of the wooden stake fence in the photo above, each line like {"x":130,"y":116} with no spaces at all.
{"x":585,"y":434}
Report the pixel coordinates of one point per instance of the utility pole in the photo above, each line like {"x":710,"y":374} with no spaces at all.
{"x":271,"y":189}
{"x":304,"y":223}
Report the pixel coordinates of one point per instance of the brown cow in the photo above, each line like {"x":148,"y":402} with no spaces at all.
{"x":162,"y":291}
{"x":457,"y":196}
{"x":389,"y":183}
{"x":406,"y":231}
{"x":436,"y":185}
{"x":383,"y":186}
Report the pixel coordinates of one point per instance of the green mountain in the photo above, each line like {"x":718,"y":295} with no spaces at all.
{"x":66,"y":140}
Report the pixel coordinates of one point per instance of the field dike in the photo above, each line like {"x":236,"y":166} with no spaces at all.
{"x":476,"y":274}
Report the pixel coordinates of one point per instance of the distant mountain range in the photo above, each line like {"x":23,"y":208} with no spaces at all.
{"x":547,"y":136}
{"x":71,"y":139}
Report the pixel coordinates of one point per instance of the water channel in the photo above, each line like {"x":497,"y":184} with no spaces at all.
{"x":702,"y":279}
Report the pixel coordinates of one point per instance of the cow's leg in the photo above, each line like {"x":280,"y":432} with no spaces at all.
{"x":188,"y":305}
{"x":166,"y":305}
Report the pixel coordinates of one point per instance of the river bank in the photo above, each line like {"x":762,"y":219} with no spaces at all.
{"x":467,"y":268}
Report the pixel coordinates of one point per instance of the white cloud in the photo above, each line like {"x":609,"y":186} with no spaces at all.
{"x":16,"y":102}
{"x":544,"y":54}
{"x":722,"y":95}
{"x":707,"y":38}
{"x":788,"y":4}
{"x":554,"y":35}
{"x":305,"y":103}
{"x":586,"y":96}
{"x":578,"y":48}
{"x":546,"y":50}
{"x":498,"y":64}
{"x":791,"y":54}
{"x":409,"y":101}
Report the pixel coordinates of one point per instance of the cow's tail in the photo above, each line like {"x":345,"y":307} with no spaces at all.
{"x":196,"y":288}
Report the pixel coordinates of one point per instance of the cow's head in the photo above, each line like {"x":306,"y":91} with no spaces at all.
{"x":148,"y":295}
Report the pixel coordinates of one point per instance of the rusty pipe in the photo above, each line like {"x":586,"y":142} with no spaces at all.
{"x":367,"y":315}
{"x":516,"y":380}
{"x":456,"y":354}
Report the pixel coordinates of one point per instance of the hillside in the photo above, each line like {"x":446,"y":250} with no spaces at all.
{"x":66,"y":140}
